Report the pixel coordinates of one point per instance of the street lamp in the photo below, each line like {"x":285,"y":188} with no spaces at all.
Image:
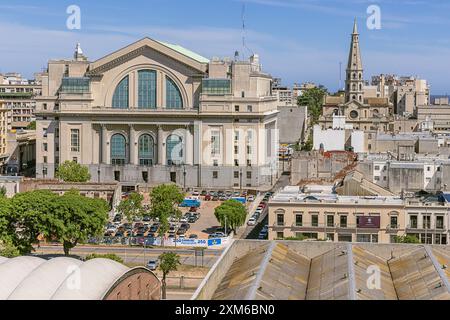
{"x":184,"y":176}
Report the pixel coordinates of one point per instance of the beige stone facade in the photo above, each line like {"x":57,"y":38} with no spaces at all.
{"x":154,"y":112}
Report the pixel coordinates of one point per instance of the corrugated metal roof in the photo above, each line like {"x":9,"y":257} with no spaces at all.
{"x":278,"y":270}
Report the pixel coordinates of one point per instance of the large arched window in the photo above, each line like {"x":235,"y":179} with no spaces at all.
{"x":174,"y":149}
{"x":120,"y":97}
{"x":118,"y":149}
{"x":173,"y":95}
{"x":146,"y":150}
{"x":146,"y":89}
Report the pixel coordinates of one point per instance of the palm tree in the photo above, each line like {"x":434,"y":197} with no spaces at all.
{"x":169,"y":262}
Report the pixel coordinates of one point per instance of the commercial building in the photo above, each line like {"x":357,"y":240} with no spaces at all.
{"x":329,"y":216}
{"x":154,"y":112}
{"x":298,"y":270}
{"x":18,"y":94}
{"x":64,"y":278}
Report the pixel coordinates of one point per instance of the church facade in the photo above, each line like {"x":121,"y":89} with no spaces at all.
{"x":154,"y":112}
{"x":366,"y":114}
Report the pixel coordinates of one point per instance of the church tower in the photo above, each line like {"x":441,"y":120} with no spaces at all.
{"x":354,"y":83}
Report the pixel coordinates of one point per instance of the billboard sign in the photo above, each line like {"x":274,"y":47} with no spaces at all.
{"x":369,"y":222}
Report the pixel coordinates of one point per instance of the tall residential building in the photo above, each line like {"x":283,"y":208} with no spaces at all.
{"x":354,"y":81}
{"x":3,"y":133}
{"x":154,"y":112}
{"x":18,"y":94}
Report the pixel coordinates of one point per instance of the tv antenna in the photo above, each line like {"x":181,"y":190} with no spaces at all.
{"x":244,"y":46}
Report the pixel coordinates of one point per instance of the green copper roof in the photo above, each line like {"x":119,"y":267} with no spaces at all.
{"x":186,"y":52}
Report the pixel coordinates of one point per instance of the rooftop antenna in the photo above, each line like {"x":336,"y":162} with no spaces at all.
{"x":244,"y":46}
{"x":340,"y":75}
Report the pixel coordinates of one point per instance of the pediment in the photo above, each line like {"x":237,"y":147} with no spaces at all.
{"x":353,"y":104}
{"x":179,"y":54}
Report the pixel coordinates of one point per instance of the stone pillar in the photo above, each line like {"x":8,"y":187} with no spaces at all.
{"x":197,"y":143}
{"x":132,"y":145}
{"x":104,"y":144}
{"x":189,"y":146}
{"x":161,"y":155}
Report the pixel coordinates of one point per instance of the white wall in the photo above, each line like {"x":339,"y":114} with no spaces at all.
{"x":331,"y":139}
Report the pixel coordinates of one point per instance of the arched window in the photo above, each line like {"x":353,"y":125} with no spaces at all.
{"x":118,"y":150}
{"x":174,"y":149}
{"x":173,"y":95}
{"x":146,"y":89}
{"x":146,"y":150}
{"x":360,"y":87}
{"x":353,"y":87}
{"x":120,"y":97}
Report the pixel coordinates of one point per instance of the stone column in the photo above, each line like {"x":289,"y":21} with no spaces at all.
{"x":189,"y":146}
{"x":161,"y":155}
{"x":132,"y":145}
{"x":104,"y":144}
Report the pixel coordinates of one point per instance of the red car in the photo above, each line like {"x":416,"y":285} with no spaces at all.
{"x":193,"y":209}
{"x":208,"y":197}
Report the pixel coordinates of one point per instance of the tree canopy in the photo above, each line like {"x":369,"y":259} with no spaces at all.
{"x":76,"y":218}
{"x":406,"y":239}
{"x":232,"y":212}
{"x":70,"y":218}
{"x":31,"y":125}
{"x":313,"y":98}
{"x":71,"y":171}
{"x":131,"y":207}
{"x":164,"y":201}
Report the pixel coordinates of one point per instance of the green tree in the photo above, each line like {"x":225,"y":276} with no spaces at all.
{"x":8,"y":250}
{"x":232,"y":212}
{"x":164,"y":201}
{"x":76,"y":218}
{"x":308,"y":145}
{"x":169,"y":261}
{"x":31,"y":216}
{"x":31,"y":125}
{"x":111,"y":256}
{"x":313,"y":98}
{"x":2,"y":191}
{"x":132,"y":206}
{"x":406,"y":239}
{"x":70,"y":171}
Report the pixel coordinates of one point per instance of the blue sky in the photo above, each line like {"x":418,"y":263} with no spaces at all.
{"x":297,"y":40}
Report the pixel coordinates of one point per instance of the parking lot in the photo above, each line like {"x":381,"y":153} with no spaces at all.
{"x":202,"y":224}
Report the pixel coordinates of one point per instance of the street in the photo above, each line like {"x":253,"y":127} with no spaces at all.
{"x":136,"y":255}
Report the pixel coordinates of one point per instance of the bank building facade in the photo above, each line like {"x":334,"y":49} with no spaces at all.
{"x":154,"y":112}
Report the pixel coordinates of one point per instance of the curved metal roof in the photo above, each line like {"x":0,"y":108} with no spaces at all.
{"x":62,"y":278}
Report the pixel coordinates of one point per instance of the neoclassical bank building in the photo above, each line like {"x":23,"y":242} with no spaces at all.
{"x":154,"y":112}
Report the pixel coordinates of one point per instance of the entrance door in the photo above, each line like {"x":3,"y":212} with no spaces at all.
{"x":173,"y":177}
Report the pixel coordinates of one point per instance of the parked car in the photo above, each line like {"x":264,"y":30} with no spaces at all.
{"x":193,"y":236}
{"x":208,"y":197}
{"x":146,"y":218}
{"x":215,"y":198}
{"x":262,"y":236}
{"x":251,"y":198}
{"x":204,"y":193}
{"x":185,"y":226}
{"x":251,"y":221}
{"x":193,"y":209}
{"x":153,"y":264}
{"x":181,"y":231}
{"x":192,"y":219}
{"x":195,"y":193}
{"x":117,"y":218}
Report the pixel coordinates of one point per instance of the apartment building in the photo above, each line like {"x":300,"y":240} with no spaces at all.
{"x":3,"y":133}
{"x":294,"y":212}
{"x":18,"y":94}
{"x":154,"y":112}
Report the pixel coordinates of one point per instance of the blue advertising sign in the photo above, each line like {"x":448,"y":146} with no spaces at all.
{"x":214,"y":242}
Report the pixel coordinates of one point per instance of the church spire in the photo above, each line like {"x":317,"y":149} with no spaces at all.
{"x":354,"y":89}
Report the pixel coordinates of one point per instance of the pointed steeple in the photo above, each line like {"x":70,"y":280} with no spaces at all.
{"x":354,"y":82}
{"x":355,"y":27}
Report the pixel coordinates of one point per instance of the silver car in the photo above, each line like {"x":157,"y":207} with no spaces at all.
{"x":153,"y":264}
